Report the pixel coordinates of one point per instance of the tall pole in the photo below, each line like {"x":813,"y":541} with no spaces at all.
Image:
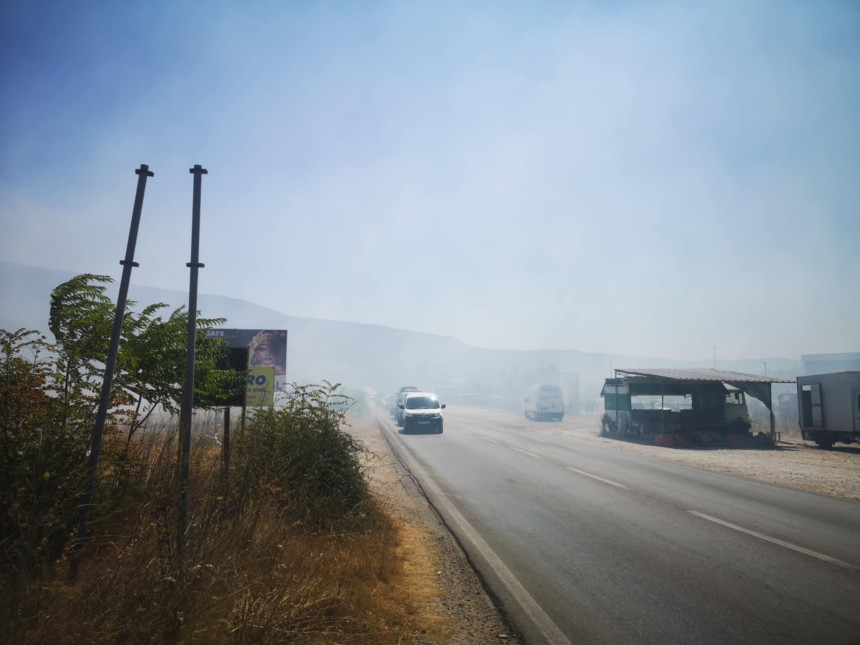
{"x":104,"y":402}
{"x":188,"y":400}
{"x":772,"y":419}
{"x":615,"y":377}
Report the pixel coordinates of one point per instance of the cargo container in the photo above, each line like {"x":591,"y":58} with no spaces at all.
{"x":829,"y":407}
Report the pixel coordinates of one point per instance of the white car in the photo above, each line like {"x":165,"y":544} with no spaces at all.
{"x":421,"y":411}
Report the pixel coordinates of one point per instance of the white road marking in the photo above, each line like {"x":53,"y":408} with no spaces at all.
{"x":487,"y":439}
{"x":526,"y":452}
{"x":600,"y":479}
{"x":762,"y":536}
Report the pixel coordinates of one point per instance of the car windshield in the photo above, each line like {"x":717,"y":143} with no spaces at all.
{"x":422,"y":403}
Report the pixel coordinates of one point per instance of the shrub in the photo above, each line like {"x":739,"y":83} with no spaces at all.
{"x":299,"y":455}
{"x":293,"y":472}
{"x":41,"y":463}
{"x":43,"y":459}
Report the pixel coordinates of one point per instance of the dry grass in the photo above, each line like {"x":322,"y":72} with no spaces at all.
{"x":417,"y":578}
{"x":252,"y":576}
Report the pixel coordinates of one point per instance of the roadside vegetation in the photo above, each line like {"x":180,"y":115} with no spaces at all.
{"x":284,"y":544}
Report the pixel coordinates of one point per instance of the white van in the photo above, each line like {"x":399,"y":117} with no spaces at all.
{"x":544,"y":403}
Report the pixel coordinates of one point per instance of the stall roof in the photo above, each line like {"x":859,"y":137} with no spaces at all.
{"x":702,"y":374}
{"x":675,"y":381}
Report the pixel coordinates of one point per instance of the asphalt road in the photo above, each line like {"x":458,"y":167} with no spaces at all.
{"x":586,"y":544}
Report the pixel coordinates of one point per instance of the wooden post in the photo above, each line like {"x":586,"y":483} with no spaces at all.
{"x":225,"y":449}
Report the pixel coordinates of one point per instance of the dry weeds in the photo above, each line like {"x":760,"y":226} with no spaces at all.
{"x":250,"y":578}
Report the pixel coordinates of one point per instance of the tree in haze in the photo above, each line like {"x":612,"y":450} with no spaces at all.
{"x":150,"y":366}
{"x":49,"y":394}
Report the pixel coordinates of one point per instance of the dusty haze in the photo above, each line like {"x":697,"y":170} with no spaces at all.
{"x":652,"y":179}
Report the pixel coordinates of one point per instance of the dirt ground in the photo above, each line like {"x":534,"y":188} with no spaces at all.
{"x":447,"y":599}
{"x":792,"y":462}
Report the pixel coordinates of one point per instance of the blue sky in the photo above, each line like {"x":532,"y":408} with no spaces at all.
{"x":638,"y":178}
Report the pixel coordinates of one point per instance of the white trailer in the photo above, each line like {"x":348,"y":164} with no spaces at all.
{"x":829,"y":407}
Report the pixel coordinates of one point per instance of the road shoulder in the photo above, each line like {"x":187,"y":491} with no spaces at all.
{"x":444,"y":596}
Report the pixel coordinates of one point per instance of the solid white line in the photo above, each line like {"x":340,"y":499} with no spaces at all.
{"x":787,"y":545}
{"x":526,"y":452}
{"x":487,"y":439}
{"x":600,"y":479}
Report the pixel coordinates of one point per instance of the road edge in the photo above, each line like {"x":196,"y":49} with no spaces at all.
{"x":509,"y":595}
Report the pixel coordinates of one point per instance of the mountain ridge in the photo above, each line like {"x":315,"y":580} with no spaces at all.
{"x":366,"y":354}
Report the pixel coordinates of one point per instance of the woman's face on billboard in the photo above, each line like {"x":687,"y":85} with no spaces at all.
{"x":264,"y":355}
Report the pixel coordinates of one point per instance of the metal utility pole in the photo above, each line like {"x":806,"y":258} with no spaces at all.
{"x":104,"y":402}
{"x":188,"y":400}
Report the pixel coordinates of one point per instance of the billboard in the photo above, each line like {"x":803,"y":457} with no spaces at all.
{"x":260,"y":391}
{"x":267,"y":360}
{"x":235,"y":363}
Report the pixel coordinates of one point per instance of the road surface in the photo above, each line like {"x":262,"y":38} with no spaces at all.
{"x":583,"y":543}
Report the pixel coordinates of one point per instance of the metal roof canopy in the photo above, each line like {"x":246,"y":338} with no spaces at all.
{"x":678,"y":380}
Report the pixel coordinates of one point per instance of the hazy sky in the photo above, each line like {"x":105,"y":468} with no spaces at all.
{"x":626,"y":177}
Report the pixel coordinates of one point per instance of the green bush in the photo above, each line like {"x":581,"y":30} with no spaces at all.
{"x":41,"y":464}
{"x":299,"y":455}
{"x":44,"y":441}
{"x":293,"y":466}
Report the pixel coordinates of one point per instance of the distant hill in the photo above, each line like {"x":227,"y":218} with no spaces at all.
{"x":372,"y":356}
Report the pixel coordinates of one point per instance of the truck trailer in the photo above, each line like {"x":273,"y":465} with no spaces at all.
{"x":829,"y":407}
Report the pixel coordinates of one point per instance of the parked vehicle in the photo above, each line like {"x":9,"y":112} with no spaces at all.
{"x":786,"y":406}
{"x":829,"y":407}
{"x":421,"y":411}
{"x":544,"y":403}
{"x":396,"y":410}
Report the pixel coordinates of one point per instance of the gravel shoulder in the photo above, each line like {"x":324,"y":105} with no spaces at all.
{"x":792,"y":462}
